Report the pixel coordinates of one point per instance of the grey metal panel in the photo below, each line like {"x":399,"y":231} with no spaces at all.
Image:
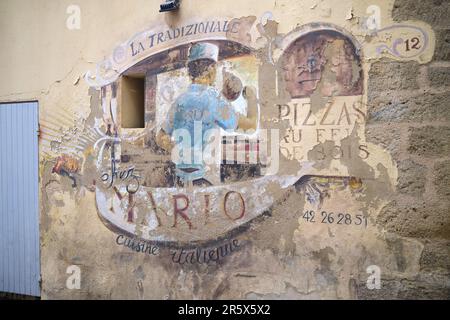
{"x":19,"y":214}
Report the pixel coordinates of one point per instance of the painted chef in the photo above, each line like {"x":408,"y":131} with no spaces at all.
{"x":201,"y":108}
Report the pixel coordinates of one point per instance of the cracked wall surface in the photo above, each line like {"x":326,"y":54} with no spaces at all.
{"x":339,"y":155}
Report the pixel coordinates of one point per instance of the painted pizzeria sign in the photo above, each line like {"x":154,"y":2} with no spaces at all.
{"x":203,"y":127}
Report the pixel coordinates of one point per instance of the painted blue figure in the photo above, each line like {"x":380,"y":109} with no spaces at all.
{"x":202,"y":107}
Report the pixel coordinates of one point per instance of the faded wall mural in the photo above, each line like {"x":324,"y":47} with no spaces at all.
{"x":200,"y":131}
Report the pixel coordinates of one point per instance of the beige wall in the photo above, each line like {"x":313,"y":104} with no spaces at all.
{"x":279,"y":254}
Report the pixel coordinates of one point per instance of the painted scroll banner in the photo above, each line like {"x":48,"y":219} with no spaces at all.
{"x":402,"y":42}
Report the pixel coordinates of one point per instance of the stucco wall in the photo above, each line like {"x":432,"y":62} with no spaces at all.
{"x":373,"y":151}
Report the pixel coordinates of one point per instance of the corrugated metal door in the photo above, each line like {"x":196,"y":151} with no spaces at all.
{"x":19,"y":214}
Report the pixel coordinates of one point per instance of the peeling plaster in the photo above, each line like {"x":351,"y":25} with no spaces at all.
{"x":281,"y":254}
